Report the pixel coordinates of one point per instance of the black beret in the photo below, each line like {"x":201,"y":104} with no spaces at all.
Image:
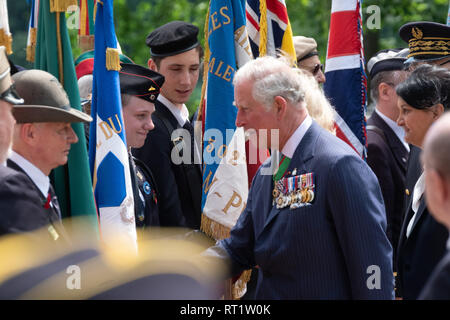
{"x":387,"y":60}
{"x":427,"y":40}
{"x":172,"y":38}
{"x":140,"y":82}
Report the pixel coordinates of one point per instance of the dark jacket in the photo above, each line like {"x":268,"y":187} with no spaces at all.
{"x":23,"y":207}
{"x":387,"y":157}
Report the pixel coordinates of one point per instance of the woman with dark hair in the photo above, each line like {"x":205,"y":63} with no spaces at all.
{"x":423,"y":97}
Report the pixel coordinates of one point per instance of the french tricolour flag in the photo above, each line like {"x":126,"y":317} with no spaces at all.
{"x":346,"y":85}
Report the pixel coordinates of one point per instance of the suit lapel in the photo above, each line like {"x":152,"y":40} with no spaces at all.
{"x":51,"y":213}
{"x":303,"y":153}
{"x":398,"y":149}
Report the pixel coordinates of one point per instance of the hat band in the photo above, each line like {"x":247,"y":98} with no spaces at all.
{"x":433,"y":46}
{"x":309,"y":55}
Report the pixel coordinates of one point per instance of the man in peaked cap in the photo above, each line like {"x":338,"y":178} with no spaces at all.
{"x":176,"y":54}
{"x":387,"y":150}
{"x":139,"y":89}
{"x":429,"y":42}
{"x":41,"y":142}
{"x":308,"y":57}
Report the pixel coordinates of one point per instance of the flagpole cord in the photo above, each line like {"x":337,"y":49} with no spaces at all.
{"x":205,"y":68}
{"x":262,"y":28}
{"x":60,"y":57}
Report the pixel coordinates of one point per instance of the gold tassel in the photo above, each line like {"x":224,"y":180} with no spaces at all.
{"x":31,"y":48}
{"x":112,"y":59}
{"x":61,"y":5}
{"x":263,"y":28}
{"x":214,"y":229}
{"x":240,"y":286}
{"x":6,"y":40}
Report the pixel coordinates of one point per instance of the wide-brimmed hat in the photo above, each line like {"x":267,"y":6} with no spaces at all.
{"x":7,"y":91}
{"x":45,"y":99}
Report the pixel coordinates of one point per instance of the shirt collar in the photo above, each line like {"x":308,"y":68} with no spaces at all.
{"x":36,"y":175}
{"x":294,"y":140}
{"x":181,"y":115}
{"x":399,"y":132}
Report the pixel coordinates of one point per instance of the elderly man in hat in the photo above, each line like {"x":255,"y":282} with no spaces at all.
{"x":139,"y":89}
{"x":41,"y":142}
{"x":176,"y":54}
{"x":308,"y":57}
{"x":387,"y":150}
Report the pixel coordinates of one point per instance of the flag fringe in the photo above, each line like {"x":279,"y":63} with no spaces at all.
{"x":112,"y":59}
{"x":6,"y":40}
{"x":262,"y":28}
{"x":218,"y":231}
{"x":61,"y":5}
{"x":214,"y":229}
{"x":31,"y":48}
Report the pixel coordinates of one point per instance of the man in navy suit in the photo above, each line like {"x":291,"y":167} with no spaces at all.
{"x":436,"y":158}
{"x":316,"y":227}
{"x":387,"y":151}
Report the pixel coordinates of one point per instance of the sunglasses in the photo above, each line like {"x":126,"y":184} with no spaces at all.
{"x":316,"y":69}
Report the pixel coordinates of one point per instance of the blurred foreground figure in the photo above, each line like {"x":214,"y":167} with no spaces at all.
{"x":168,"y":267}
{"x":436,"y":160}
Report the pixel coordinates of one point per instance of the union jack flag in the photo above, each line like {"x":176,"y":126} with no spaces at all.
{"x":268,"y":27}
{"x":346,"y":85}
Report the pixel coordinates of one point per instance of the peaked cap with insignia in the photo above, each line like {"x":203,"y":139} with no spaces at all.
{"x":140,"y":82}
{"x":427,"y":40}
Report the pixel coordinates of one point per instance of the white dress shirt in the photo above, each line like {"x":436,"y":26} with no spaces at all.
{"x":292,"y":143}
{"x":37,"y":176}
{"x":399,"y":131}
{"x":182,"y":115}
{"x":419,"y":188}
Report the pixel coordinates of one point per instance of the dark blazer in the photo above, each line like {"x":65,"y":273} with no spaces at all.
{"x":419,"y":254}
{"x":180,"y":197}
{"x":438,"y":286}
{"x":387,"y":157}
{"x":22,"y":206}
{"x":147,"y":213}
{"x":325,"y":250}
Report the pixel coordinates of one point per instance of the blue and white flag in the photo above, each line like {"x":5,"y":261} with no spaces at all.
{"x":108,"y":156}
{"x":225,"y":185}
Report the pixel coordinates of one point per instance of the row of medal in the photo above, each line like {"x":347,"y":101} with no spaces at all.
{"x":295,"y":192}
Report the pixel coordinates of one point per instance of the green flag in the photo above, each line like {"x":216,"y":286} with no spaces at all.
{"x":72,"y":182}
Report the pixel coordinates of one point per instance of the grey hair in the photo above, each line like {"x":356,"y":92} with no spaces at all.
{"x":271,"y":77}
